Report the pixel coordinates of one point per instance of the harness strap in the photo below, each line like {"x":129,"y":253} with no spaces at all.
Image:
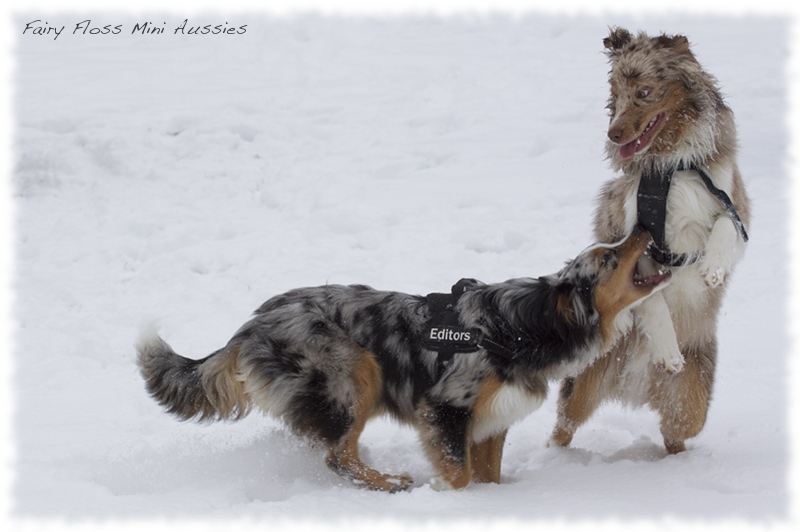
{"x":494,"y":347}
{"x":725,"y":200}
{"x":652,"y":211}
{"x":444,"y":334}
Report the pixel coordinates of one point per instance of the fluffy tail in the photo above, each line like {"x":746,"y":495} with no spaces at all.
{"x":206,"y":389}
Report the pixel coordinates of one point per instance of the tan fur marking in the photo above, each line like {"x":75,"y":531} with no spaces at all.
{"x":615,"y":292}
{"x":564,"y":309}
{"x":580,"y":396}
{"x":680,"y":119}
{"x":610,"y":300}
{"x":368,"y":382}
{"x":346,"y":462}
{"x":455,"y":474}
{"x":343,"y":457}
{"x":578,"y":406}
{"x":223,"y":389}
{"x":487,"y":457}
{"x":682,"y":401}
{"x":483,"y":403}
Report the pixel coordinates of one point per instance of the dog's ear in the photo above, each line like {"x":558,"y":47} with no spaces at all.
{"x":677,"y":43}
{"x":557,"y":315}
{"x":572,"y":304}
{"x":573,"y":308}
{"x":565,"y":307}
{"x":617,"y":38}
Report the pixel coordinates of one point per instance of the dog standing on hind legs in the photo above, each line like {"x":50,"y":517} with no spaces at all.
{"x":673,"y":139}
{"x":325,"y":360}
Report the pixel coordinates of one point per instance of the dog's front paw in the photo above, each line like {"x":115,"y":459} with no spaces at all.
{"x":400,"y":482}
{"x":440,"y":484}
{"x":560,"y":438}
{"x":672,"y":365}
{"x":671,"y":360}
{"x":713,"y":276}
{"x":721,"y":252}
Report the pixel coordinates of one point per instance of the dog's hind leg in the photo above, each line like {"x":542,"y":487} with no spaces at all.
{"x":486,"y":458}
{"x":343,"y":459}
{"x":343,"y":455}
{"x":578,"y":398}
{"x":682,"y":400}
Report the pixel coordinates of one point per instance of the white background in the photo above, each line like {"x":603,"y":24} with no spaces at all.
{"x":185,"y":179}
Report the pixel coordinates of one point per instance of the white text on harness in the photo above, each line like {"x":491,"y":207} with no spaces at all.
{"x":449,"y":334}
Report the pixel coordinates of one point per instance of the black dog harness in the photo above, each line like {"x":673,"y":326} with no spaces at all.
{"x":443,"y":334}
{"x":652,"y":211}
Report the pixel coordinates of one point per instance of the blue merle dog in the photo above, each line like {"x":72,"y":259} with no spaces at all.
{"x":327,"y":359}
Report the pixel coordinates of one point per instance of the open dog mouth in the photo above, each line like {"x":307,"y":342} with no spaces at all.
{"x":648,"y":273}
{"x":626,"y":151}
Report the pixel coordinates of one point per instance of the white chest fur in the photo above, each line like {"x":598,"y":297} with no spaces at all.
{"x":509,"y":405}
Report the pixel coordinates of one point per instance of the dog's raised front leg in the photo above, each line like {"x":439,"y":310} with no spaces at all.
{"x":655,"y":322}
{"x":722,"y":251}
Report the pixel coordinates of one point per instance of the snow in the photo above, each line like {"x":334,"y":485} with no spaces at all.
{"x":186,"y":179}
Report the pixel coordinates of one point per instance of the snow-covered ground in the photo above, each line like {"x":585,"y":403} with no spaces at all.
{"x":187,"y":178}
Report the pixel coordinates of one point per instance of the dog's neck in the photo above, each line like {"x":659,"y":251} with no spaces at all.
{"x":524,"y":316}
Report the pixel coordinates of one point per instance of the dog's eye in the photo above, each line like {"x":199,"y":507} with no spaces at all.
{"x":644,"y":92}
{"x":608,"y":259}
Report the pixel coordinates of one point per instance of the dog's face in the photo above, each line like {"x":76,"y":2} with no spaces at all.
{"x":610,"y":273}
{"x":651,"y":102}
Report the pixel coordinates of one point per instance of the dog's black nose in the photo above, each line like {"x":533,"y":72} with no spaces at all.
{"x":615,"y":134}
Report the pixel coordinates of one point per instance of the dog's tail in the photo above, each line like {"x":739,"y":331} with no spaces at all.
{"x":206,"y":389}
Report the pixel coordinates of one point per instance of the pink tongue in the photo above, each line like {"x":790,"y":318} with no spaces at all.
{"x":628,"y":150}
{"x":656,"y":279}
